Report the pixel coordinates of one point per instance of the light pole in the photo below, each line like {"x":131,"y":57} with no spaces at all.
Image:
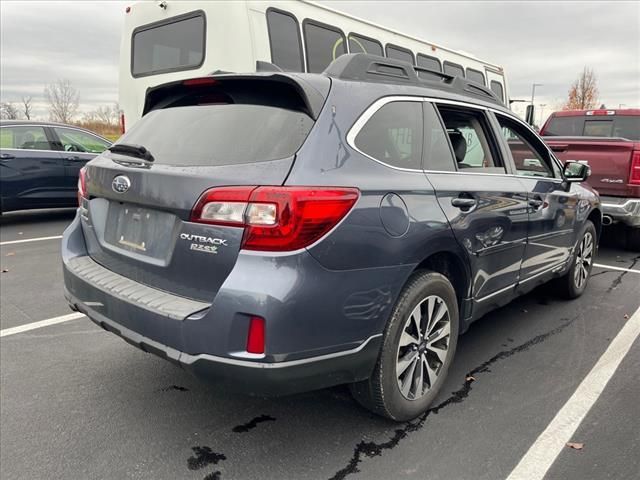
{"x":533,"y":91}
{"x":542,"y":105}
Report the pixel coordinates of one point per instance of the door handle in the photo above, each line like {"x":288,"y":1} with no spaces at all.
{"x":6,"y":156}
{"x":560,"y":147}
{"x":463,"y":203}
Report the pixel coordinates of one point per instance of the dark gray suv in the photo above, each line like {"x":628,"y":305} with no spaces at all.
{"x":279,"y":232}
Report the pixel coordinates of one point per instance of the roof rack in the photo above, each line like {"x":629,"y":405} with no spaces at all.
{"x":372,"y":68}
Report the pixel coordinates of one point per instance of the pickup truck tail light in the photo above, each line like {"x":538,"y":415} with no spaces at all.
{"x":634,"y":172}
{"x":82,"y":185}
{"x":276,"y":218}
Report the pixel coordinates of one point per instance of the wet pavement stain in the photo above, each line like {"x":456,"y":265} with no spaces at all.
{"x":174,"y":387}
{"x":373,"y":449}
{"x":202,"y":457}
{"x":253,"y":423}
{"x":618,"y":280}
{"x":214,"y":476}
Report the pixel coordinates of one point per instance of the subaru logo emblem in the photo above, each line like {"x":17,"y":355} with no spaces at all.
{"x":121,"y":184}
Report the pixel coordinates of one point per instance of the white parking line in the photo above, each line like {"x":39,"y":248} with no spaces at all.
{"x":40,"y":324}
{"x":611,"y":267}
{"x":27,"y":240}
{"x":539,"y":458}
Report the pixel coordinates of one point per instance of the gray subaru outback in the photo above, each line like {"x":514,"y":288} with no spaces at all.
{"x":277,"y":232}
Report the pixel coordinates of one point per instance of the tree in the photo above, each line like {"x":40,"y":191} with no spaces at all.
{"x":8,"y":111}
{"x":26,"y":107}
{"x":63,"y":100}
{"x":583,"y":94}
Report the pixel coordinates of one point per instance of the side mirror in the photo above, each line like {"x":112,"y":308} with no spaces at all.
{"x":530,"y":114}
{"x":576,"y":171}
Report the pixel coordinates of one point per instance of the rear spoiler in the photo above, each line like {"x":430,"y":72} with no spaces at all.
{"x":271,"y":88}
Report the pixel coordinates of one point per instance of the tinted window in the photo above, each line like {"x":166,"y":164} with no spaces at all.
{"x":598,"y":128}
{"x":178,"y":45}
{"x":496,"y":87}
{"x":453,"y":69}
{"x":627,"y":127}
{"x":468,"y":134}
{"x":359,"y":44}
{"x":475,"y":76}
{"x":323,"y":45}
{"x":400,"y":54}
{"x":286,"y":48}
{"x":220,"y":134}
{"x":393,"y":135}
{"x":78,"y":141}
{"x":432,"y":63}
{"x":565,"y":126}
{"x":529,"y":160}
{"x":437,"y":154}
{"x":24,"y":138}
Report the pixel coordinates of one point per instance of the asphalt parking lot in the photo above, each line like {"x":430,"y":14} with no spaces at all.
{"x":79,"y":403}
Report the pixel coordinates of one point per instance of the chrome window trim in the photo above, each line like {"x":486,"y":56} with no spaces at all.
{"x":378,"y":104}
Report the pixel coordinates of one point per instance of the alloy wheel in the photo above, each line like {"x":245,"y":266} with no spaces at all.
{"x":584,"y":258}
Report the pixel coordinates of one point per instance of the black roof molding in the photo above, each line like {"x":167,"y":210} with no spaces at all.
{"x":372,"y":68}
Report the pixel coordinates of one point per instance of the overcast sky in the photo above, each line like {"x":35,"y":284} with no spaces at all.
{"x":542,"y":42}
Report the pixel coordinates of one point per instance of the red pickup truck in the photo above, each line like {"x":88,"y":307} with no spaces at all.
{"x":609,"y":142}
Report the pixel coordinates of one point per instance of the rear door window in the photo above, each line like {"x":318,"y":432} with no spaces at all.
{"x":284,"y":38}
{"x":393,"y":135}
{"x":437,"y":153}
{"x":323,"y":44}
{"x":25,"y":137}
{"x":361,"y":44}
{"x":73,"y":140}
{"x":171,"y":45}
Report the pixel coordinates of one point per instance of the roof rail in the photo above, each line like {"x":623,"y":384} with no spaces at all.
{"x":372,"y":68}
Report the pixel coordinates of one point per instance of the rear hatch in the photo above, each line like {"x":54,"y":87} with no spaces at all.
{"x":198,"y":134}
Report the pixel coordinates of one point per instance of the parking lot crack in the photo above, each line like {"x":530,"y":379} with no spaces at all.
{"x":253,"y":423}
{"x":366,"y":449}
{"x":618,"y":280}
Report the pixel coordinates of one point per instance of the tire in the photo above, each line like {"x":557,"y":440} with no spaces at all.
{"x":573,"y":283}
{"x":426,"y":292}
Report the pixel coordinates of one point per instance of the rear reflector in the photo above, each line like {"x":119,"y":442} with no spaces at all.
{"x":276,"y":218}
{"x":255,"y":337}
{"x":634,"y":172}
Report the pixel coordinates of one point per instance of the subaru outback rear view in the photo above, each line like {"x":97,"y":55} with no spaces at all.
{"x":276,"y":233}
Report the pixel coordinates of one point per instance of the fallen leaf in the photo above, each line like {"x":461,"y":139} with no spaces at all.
{"x":626,"y":316}
{"x":5,"y":270}
{"x":10,"y":254}
{"x":575,"y":445}
{"x":470,"y":379}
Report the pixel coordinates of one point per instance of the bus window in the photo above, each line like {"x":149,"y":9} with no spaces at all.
{"x":284,"y":39}
{"x":360,"y":44}
{"x":475,"y":76}
{"x":453,"y":69}
{"x":427,"y":61}
{"x":168,"y":46}
{"x":323,"y":44}
{"x":400,"y":53}
{"x":496,"y":87}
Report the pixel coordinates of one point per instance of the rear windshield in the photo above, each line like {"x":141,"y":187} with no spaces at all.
{"x":598,"y":126}
{"x":172,"y":45}
{"x":220,"y":134}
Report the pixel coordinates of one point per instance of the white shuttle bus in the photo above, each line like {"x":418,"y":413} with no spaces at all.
{"x":171,"y":40}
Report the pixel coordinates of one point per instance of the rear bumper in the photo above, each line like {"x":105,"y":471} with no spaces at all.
{"x":254,"y":377}
{"x":623,"y":210}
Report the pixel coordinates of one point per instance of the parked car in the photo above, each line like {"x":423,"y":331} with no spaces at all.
{"x":279,"y":232}
{"x":40,"y":161}
{"x":609,"y":142}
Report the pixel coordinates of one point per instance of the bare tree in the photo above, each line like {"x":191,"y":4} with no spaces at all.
{"x":63,"y":100}
{"x":583,"y":94}
{"x":26,"y":107}
{"x":8,"y":111}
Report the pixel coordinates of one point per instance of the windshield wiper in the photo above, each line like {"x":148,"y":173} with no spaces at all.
{"x":132,"y":150}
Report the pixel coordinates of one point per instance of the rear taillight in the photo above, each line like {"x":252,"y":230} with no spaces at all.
{"x":634,"y":172}
{"x":82,"y":185}
{"x":122,"y":124}
{"x":256,"y":335}
{"x":276,"y":218}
